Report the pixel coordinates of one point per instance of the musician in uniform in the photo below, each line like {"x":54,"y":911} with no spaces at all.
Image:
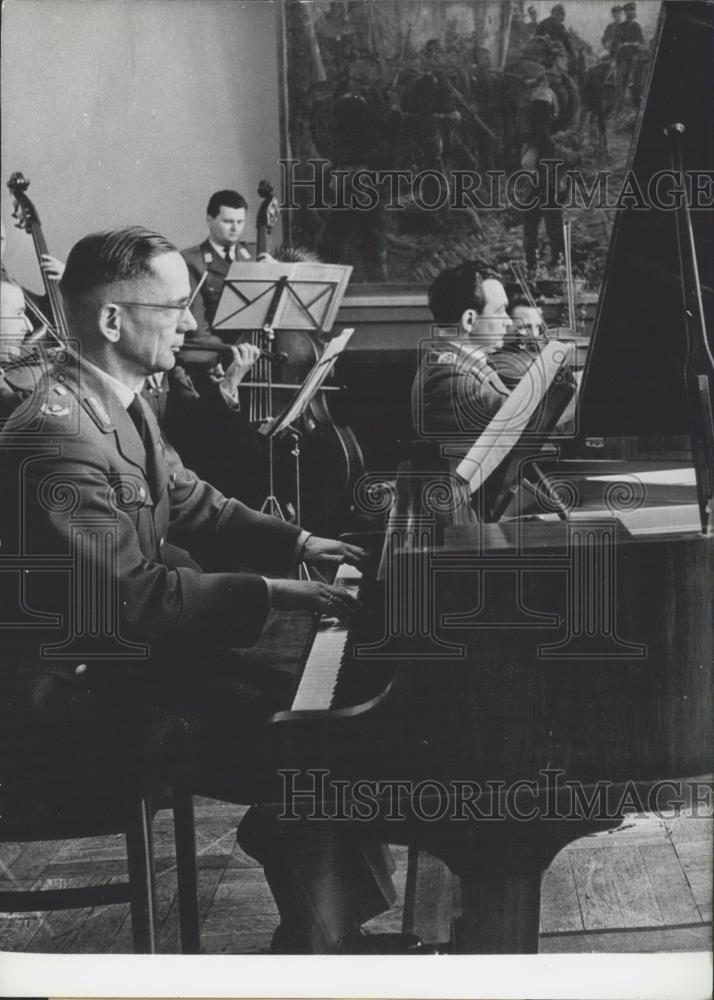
{"x":15,"y":383}
{"x":528,"y":325}
{"x":52,"y":268}
{"x":456,"y":390}
{"x":166,"y":620}
{"x":463,"y":381}
{"x":203,"y":418}
{"x":225,"y":217}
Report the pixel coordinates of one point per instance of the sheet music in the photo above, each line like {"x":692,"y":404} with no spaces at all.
{"x":505,"y":429}
{"x":309,"y":299}
{"x":313,"y":381}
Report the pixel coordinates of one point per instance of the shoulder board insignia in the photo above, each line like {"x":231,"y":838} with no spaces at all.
{"x":207,"y":257}
{"x":55,"y":409}
{"x":99,"y":410}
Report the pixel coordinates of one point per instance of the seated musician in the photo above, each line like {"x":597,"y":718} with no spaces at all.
{"x":52,"y":268}
{"x":225,"y":217}
{"x":456,"y":389}
{"x":201,"y":415}
{"x":463,"y":381}
{"x":126,"y":295}
{"x":19,"y":370}
{"x":528,"y":325}
{"x":200,"y":409}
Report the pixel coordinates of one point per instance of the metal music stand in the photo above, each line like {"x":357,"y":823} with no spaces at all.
{"x":285,"y":423}
{"x":273,"y":295}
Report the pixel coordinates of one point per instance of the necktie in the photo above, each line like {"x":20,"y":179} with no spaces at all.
{"x":227,"y":255}
{"x":138,"y":416}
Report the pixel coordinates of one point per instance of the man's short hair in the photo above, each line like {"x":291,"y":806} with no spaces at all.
{"x":558,"y":9}
{"x":111,"y":256}
{"x":231,"y":199}
{"x":460,"y":288}
{"x":630,"y":6}
{"x":617,"y":9}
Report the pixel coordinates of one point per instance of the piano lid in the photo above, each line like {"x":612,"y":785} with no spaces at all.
{"x":634,"y":377}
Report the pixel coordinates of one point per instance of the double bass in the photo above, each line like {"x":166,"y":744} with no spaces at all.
{"x":19,"y":376}
{"x":27,"y":218}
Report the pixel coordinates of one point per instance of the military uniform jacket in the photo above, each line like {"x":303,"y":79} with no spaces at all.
{"x":200,"y":260}
{"x":85,"y":500}
{"x":15,"y":386}
{"x":456,"y":391}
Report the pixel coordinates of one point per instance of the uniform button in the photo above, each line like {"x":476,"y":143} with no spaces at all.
{"x":81,"y":668}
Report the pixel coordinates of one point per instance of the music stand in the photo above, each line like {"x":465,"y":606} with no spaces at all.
{"x":272,"y":295}
{"x":275,"y":295}
{"x":285,"y":423}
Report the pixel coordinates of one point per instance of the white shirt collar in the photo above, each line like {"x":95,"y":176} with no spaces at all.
{"x":221,"y":251}
{"x":123,"y":392}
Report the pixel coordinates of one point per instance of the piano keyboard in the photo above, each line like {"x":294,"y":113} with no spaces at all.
{"x":318,"y":684}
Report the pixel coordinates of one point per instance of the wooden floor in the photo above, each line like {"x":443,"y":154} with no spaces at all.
{"x":645,"y":887}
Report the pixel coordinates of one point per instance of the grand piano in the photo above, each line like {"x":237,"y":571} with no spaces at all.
{"x":525,"y":681}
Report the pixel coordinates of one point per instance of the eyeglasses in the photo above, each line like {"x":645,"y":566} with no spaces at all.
{"x":181,"y":307}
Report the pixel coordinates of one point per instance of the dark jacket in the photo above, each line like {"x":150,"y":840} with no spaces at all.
{"x":84,"y":502}
{"x":200,"y":260}
{"x":455,"y":392}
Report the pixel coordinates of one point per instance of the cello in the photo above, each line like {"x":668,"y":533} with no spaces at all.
{"x":323,"y":459}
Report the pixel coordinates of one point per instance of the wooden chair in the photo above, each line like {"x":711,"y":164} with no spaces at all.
{"x":51,"y":797}
{"x":133,"y":817}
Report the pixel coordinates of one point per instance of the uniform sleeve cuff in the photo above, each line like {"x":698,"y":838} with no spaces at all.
{"x":302,"y":540}
{"x":232,"y":401}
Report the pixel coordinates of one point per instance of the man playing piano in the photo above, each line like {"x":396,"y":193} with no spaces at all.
{"x":165,"y":629}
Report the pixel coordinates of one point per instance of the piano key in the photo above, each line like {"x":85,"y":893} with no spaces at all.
{"x":320,"y":677}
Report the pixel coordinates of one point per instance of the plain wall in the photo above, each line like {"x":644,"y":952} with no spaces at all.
{"x":134,"y":111}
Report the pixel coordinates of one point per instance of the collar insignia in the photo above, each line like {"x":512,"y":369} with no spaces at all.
{"x":99,"y":411}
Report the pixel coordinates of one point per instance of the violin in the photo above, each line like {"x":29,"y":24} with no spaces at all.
{"x":27,"y":218}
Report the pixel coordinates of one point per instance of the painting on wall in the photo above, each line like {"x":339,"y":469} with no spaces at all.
{"x":417,"y":130}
